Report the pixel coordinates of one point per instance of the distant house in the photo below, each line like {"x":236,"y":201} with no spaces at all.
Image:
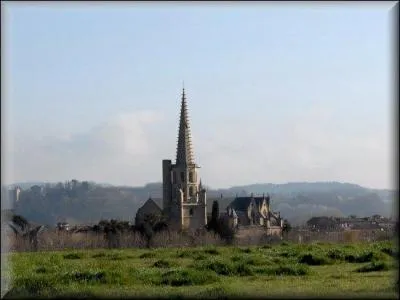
{"x":150,"y":207}
{"x":254,"y":211}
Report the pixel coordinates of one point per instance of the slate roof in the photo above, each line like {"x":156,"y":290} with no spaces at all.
{"x":242,"y":203}
{"x":155,"y":201}
{"x":158,"y":201}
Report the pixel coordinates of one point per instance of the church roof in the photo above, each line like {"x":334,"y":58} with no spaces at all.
{"x":184,"y":152}
{"x":152,"y":202}
{"x":242,"y":203}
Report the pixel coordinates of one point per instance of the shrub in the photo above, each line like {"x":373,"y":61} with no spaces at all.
{"x":146,"y":275}
{"x":336,"y":254}
{"x":212,"y":251}
{"x":147,"y":255}
{"x":314,"y":260}
{"x":187,"y":277}
{"x":86,"y":276}
{"x":289,"y":252}
{"x":364,"y":257}
{"x":98,"y":255}
{"x":224,"y":268}
{"x":219,"y":267}
{"x":374,"y":267}
{"x":162,"y":264}
{"x":245,"y":250}
{"x":199,"y":256}
{"x":390,"y":252}
{"x":243,"y":269}
{"x":41,"y":270}
{"x":249,"y":260}
{"x":291,"y":270}
{"x":215,"y":293}
{"x":32,"y":285}
{"x":73,"y":256}
{"x":184,"y":254}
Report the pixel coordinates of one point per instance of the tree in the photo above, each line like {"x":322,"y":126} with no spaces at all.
{"x":215,"y":211}
{"x":150,"y":225}
{"x":20,"y":221}
{"x":213,"y":223}
{"x":286,"y":227}
{"x":219,"y":225}
{"x":22,"y":228}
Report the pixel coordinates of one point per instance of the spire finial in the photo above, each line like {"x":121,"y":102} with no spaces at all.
{"x":184,"y":151}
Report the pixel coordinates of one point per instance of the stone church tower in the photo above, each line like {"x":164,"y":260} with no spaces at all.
{"x":184,"y":198}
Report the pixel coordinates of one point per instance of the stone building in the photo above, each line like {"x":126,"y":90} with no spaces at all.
{"x":150,"y":207}
{"x":184,"y":198}
{"x":255,"y":211}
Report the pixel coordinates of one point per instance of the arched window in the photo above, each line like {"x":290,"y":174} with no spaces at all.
{"x":191,"y":177}
{"x":191,"y":191}
{"x":191,"y":212}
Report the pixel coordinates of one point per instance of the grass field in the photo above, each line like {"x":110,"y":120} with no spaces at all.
{"x":356,"y":270}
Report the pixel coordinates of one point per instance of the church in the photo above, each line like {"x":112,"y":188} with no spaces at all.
{"x":184,"y":198}
{"x":184,"y":201}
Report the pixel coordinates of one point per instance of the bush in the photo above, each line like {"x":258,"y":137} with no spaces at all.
{"x":364,"y":257}
{"x":187,"y":277}
{"x":243,"y":269}
{"x":336,"y":254}
{"x":314,"y":260}
{"x":291,"y":270}
{"x":32,"y":285}
{"x":390,"y":252}
{"x":374,"y":267}
{"x":214,"y":293}
{"x":86,"y":276}
{"x":219,"y":267}
{"x":147,"y":255}
{"x":250,"y":260}
{"x":41,"y":270}
{"x":185,"y":254}
{"x":73,"y":256}
{"x":224,"y":268}
{"x":98,"y":255}
{"x":212,"y":251}
{"x":245,"y":250}
{"x":162,"y":264}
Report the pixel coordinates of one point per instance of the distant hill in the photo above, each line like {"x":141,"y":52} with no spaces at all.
{"x":84,"y":202}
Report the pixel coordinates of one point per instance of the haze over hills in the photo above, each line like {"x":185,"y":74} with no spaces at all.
{"x":84,"y":202}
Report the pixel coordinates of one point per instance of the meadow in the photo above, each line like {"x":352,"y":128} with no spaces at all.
{"x":282,"y":270}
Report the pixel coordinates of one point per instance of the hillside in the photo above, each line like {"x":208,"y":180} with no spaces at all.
{"x":83,"y":202}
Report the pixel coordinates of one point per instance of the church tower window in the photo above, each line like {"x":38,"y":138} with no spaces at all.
{"x":191,"y":212}
{"x":191,"y":191}
{"x":174,"y":177}
{"x":182,"y":176}
{"x":191,"y":177}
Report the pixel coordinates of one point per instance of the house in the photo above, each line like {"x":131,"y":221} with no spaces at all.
{"x":255,"y":211}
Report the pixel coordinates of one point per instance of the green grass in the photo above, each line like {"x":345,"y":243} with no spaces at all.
{"x":357,"y":270}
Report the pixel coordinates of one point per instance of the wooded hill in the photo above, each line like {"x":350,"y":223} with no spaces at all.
{"x":85,"y":202}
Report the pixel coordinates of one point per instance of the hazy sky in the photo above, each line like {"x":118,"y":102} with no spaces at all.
{"x":276,"y":92}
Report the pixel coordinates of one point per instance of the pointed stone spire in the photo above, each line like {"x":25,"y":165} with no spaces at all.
{"x":184,"y":153}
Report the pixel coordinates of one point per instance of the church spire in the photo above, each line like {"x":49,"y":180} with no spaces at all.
{"x":184,"y":153}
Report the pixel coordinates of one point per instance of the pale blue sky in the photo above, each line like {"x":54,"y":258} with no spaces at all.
{"x":277,"y":92}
